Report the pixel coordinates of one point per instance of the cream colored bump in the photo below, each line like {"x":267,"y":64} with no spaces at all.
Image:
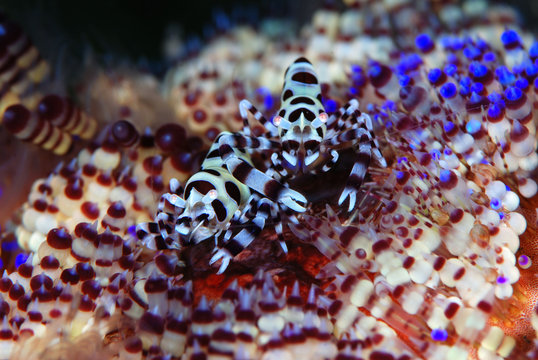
{"x":398,"y":276}
{"x":506,"y":237}
{"x":469,"y":319}
{"x":413,"y":301}
{"x":421,"y":271}
{"x":507,"y":346}
{"x":35,"y":241}
{"x":105,"y":160}
{"x":381,"y":307}
{"x":271,"y":323}
{"x":448,"y":271}
{"x":493,"y":339}
{"x":457,"y":353}
{"x":346,"y":317}
{"x":517,"y":222}
{"x":437,"y":319}
{"x":485,"y":354}
{"x":361,"y":293}
{"x":430,"y":238}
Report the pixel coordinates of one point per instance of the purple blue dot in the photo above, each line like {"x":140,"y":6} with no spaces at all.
{"x":449,"y":126}
{"x":533,"y":51}
{"x":447,"y":152}
{"x":472,"y":52}
{"x":509,"y":37}
{"x":524,"y":261}
{"x":445,"y":175}
{"x":501,"y":215}
{"x":352,"y":91}
{"x":20,"y":259}
{"x":522,"y":84}
{"x":478,"y":69}
{"x":9,"y":246}
{"x":504,"y":75}
{"x":495,"y":204}
{"x":482,"y":44}
{"x":451,"y":69}
{"x":448,"y":90}
{"x":424,"y":42}
{"x":475,"y":98}
{"x":356,"y":68}
{"x":375,"y":71}
{"x":477,"y":88}
{"x":513,"y":93}
{"x":131,"y":230}
{"x":494,"y":111}
{"x":490,"y":57}
{"x":439,"y":334}
{"x":389,"y":105}
{"x":495,"y":97}
{"x":501,"y":280}
{"x":465,"y":90}
{"x":359,"y":79}
{"x":436,"y":154}
{"x":531,"y":70}
{"x":473,"y":126}
{"x":404,"y":80}
{"x":466,"y":81}
{"x":330,"y":105}
{"x":434,"y":75}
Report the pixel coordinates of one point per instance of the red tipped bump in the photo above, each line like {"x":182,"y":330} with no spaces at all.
{"x":104,"y":179}
{"x":89,"y":170}
{"x":153,"y":165}
{"x":155,"y":183}
{"x":183,"y":161}
{"x":166,"y":264}
{"x":456,"y":215}
{"x":518,"y":132}
{"x":74,"y":190}
{"x":69,"y":276}
{"x":86,"y":304}
{"x":41,"y":280}
{"x":90,"y":210}
{"x":51,"y":107}
{"x":5,"y":284}
{"x":85,"y":271}
{"x":116,"y":210}
{"x":25,"y":270}
{"x":16,"y":118}
{"x":152,"y":323}
{"x":170,"y":138}
{"x":59,"y":239}
{"x":200,"y":116}
{"x":156,"y":284}
{"x":124,"y":133}
{"x":91,"y":288}
{"x":133,"y":345}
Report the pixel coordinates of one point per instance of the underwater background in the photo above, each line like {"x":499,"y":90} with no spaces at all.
{"x":436,"y":261}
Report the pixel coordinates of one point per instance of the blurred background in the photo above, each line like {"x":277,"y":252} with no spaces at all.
{"x":135,"y":30}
